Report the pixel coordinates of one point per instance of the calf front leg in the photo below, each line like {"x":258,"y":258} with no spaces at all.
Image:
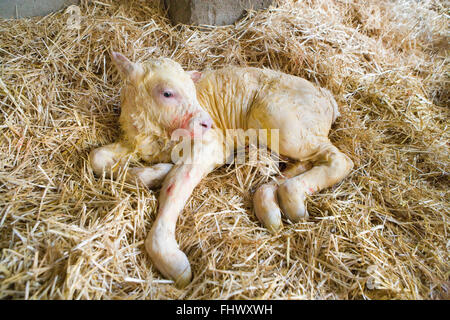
{"x":108,"y":158}
{"x":151,"y":177}
{"x":161,"y":244}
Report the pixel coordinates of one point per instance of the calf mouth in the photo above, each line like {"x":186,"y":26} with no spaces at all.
{"x":192,"y":126}
{"x":199,"y":124}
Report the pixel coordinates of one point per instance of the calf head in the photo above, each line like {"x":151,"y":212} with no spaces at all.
{"x":167,"y":93}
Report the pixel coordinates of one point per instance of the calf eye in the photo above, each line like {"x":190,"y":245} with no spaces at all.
{"x":168,"y":94}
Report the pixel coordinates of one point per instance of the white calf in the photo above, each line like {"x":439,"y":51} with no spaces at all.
{"x":160,"y":97}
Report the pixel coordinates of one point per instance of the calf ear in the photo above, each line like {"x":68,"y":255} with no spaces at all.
{"x":195,"y":75}
{"x":126,"y":67}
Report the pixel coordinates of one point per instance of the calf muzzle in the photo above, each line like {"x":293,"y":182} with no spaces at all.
{"x":199,"y":124}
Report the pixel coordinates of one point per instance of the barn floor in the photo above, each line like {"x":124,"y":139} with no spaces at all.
{"x":380,"y":234}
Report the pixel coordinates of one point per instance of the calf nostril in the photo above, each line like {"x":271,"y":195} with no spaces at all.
{"x":205,"y":125}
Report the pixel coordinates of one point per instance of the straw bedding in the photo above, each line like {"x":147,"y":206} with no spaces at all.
{"x":380,"y":234}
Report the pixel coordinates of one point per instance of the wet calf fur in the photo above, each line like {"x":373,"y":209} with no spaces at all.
{"x":159,"y":98}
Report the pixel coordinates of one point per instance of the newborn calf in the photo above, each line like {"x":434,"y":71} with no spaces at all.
{"x":160,"y":98}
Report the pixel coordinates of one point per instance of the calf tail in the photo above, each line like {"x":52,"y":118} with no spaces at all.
{"x":333,"y":103}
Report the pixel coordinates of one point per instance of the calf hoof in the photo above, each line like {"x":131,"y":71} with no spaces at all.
{"x":101,"y":160}
{"x":266,"y":207}
{"x":151,"y":177}
{"x":169,"y":260}
{"x":184,"y":278}
{"x":292,"y":201}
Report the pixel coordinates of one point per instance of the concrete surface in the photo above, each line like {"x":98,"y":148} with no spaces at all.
{"x":30,"y":8}
{"x":211,"y":12}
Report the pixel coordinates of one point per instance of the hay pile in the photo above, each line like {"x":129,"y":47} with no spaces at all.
{"x":380,"y":234}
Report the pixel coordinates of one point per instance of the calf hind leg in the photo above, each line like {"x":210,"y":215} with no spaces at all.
{"x":289,"y":192}
{"x":329,"y":167}
{"x":265,"y":201}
